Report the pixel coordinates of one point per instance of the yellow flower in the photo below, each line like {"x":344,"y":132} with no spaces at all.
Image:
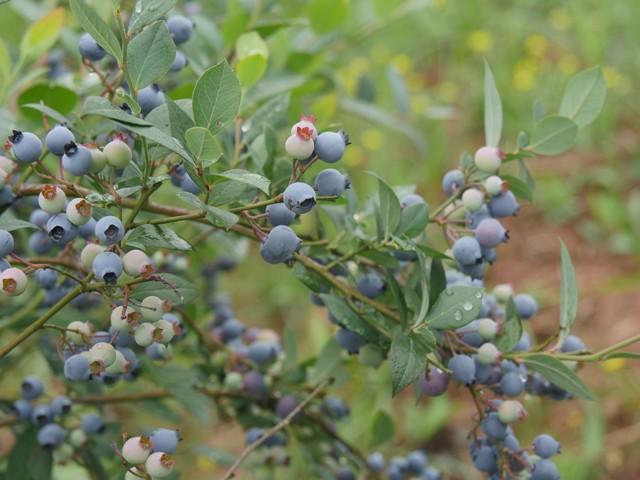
{"x":354,"y":156}
{"x":372,"y":139}
{"x":613,"y":365}
{"x":568,"y":64}
{"x":524,"y":75}
{"x":402,"y":63}
{"x":205,"y":464}
{"x":560,"y":18}
{"x":480,"y":41}
{"x":535,"y":45}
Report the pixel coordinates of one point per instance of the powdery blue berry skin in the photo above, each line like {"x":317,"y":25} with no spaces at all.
{"x":76,"y":368}
{"x":50,"y":436}
{"x":40,"y":243}
{"x":107,"y":266}
{"x":109,"y":230}
{"x":299,"y":197}
{"x":188,"y":185}
{"x":39,"y":218}
{"x":90,"y":49}
{"x":434,"y":383}
{"x":467,"y":251}
{"x":180,"y":28}
{"x":345,"y":473}
{"x":512,"y":384}
{"x":22,"y":409}
{"x":88,"y":229}
{"x":26,"y":146}
{"x":92,"y":424}
{"x":544,"y":470}
{"x":61,"y":405}
{"x":474,"y":219}
{"x":179,"y":62}
{"x":31,"y":388}
{"x":476,"y":271}
{"x":335,"y":408}
{"x":286,"y":405}
{"x":485,"y":459}
{"x":416,"y":462}
{"x":376,"y":462}
{"x":463,"y":369}
{"x":262,"y":352}
{"x":279,"y":214}
{"x":164,"y":440}
{"x":46,"y":278}
{"x":6,"y":243}
{"x":490,"y":233}
{"x":526,"y":306}
{"x":149,"y":98}
{"x":253,"y":435}
{"x":545,"y":446}
{"x":524,"y":344}
{"x":330,"y":182}
{"x":503,"y":205}
{"x":411,"y":199}
{"x":76,"y":159}
{"x":452,"y":181}
{"x":350,"y":341}
{"x":573,"y":344}
{"x":232,"y":329}
{"x":279,"y":245}
{"x":493,"y":427}
{"x":370,"y":285}
{"x":41,"y":415}
{"x":330,"y":146}
{"x":57,"y":138}
{"x":60,"y":230}
{"x":254,"y":385}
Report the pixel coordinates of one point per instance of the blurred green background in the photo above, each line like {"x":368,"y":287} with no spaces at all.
{"x":404,"y":78}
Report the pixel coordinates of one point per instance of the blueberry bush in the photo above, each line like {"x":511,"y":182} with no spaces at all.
{"x":106,"y":205}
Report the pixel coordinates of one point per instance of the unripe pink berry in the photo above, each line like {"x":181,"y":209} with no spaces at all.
{"x":494,"y":185}
{"x":511,"y":410}
{"x":79,"y":211}
{"x":472,"y":199}
{"x":308,"y":123}
{"x":13,"y":281}
{"x":159,"y":465}
{"x":136,"y":263}
{"x":299,"y":147}
{"x":488,"y":159}
{"x":136,"y":450}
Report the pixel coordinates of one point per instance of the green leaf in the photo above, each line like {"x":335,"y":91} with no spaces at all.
{"x":553,"y":135}
{"x":179,"y":120}
{"x":492,"y":109}
{"x":327,"y":361}
{"x":421,"y":312}
{"x":97,"y":28}
{"x":103,"y":108}
{"x":253,"y":55}
{"x":408,"y":361}
{"x":93,"y":464}
{"x":327,"y":15}
{"x":390,"y":209}
{"x":625,"y":355}
{"x":158,"y":236}
{"x":290,"y":346}
{"x":519,"y":188}
{"x":396,"y":291}
{"x":413,"y":220}
{"x":217,"y":216}
{"x":175,"y":289}
{"x":48,"y":111}
{"x":248,"y":178}
{"x":568,"y":293}
{"x":382,"y":428}
{"x":27,"y":460}
{"x":56,"y":97}
{"x":203,"y":145}
{"x":511,"y":329}
{"x":41,"y":35}
{"x":150,"y":55}
{"x":341,"y":311}
{"x":558,"y":373}
{"x":5,"y":62}
{"x":11,"y":224}
{"x":148,"y":11}
{"x":437,"y":280}
{"x":158,"y":136}
{"x":433,"y":253}
{"x":456,"y":306}
{"x":584,"y":96}
{"x":216,"y":97}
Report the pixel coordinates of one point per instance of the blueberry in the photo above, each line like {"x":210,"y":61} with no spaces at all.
{"x":350,"y":341}
{"x":26,"y":146}
{"x":493,"y":427}
{"x":485,"y":459}
{"x":60,"y":230}
{"x":330,"y":182}
{"x":279,"y":245}
{"x":466,"y":250}
{"x":159,"y":465}
{"x":286,"y":405}
{"x":39,"y":218}
{"x":489,"y":255}
{"x":473,"y":199}
{"x":52,"y":199}
{"x":262,"y":352}
{"x":164,"y":440}
{"x":107,"y":267}
{"x":279,"y":214}
{"x":109,"y":230}
{"x":188,"y":185}
{"x":299,"y":197}
{"x":46,"y":278}
{"x":22,"y":409}
{"x":330,"y":146}
{"x":452,"y":181}
{"x":526,"y":306}
{"x":573,"y":344}
{"x":179,"y":62}
{"x":136,"y":450}
{"x":411,"y":199}
{"x":545,"y":446}
{"x":544,"y":470}
{"x":474,"y":218}
{"x":117,"y":153}
{"x":434,"y":383}
{"x":345,"y":473}
{"x":6,"y":243}
{"x":180,"y":28}
{"x":4,"y":265}
{"x":335,"y":408}
{"x":90,"y":49}
{"x":370,"y":285}
{"x":300,"y":145}
{"x":50,"y":436}
{"x":375,"y":461}
{"x":92,"y":424}
{"x":503,"y":205}
{"x":57,"y":138}
{"x":463,"y":369}
{"x":253,"y":435}
{"x":512,"y":384}
{"x":490,"y":233}
{"x":61,"y":405}
{"x":254,"y":384}
{"x":41,"y":415}
{"x":524,"y":344}
{"x":488,"y":159}
{"x":31,"y":388}
{"x":79,"y":212}
{"x":149,"y":98}
{"x":232,"y":329}
{"x":416,"y":462}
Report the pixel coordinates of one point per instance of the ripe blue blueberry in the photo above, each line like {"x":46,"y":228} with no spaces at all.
{"x":61,"y":405}
{"x":149,"y":98}
{"x":330,"y":182}
{"x":335,"y":408}
{"x":463,"y":369}
{"x":375,"y":461}
{"x":279,"y":214}
{"x":330,"y":146}
{"x":232,"y":329}
{"x":107,"y":266}
{"x":254,"y":384}
{"x":573,"y":344}
{"x":40,"y":243}
{"x":92,"y":424}
{"x":503,"y":205}
{"x":452,"y":181}
{"x":31,"y":388}
{"x":22,"y":409}
{"x":485,"y":459}
{"x":345,"y":473}
{"x":180,"y":28}
{"x":164,"y":440}
{"x":60,"y":230}
{"x":350,"y":341}
{"x":526,"y":306}
{"x":26,"y":146}
{"x":188,"y":185}
{"x":416,"y":462}
{"x":6,"y":243}
{"x":545,"y":446}
{"x":490,"y":233}
{"x":299,"y":197}
{"x":50,"y":436}
{"x":474,"y":218}
{"x":489,"y":255}
{"x":57,"y":138}
{"x":90,"y":49}
{"x":466,"y":250}
{"x":370,"y":285}
{"x":434,"y":383}
{"x":76,"y":159}
{"x":286,"y":405}
{"x":109,"y":230}
{"x":411,"y":199}
{"x":262,"y":352}
{"x":179,"y":62}
{"x":493,"y":427}
{"x":46,"y":278}
{"x":512,"y":384}
{"x":544,"y":470}
{"x":524,"y":344}
{"x":279,"y":245}
{"x":41,"y":415}
{"x":39,"y":218}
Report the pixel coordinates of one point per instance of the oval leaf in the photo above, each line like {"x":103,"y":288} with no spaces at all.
{"x":216,"y":97}
{"x":456,"y":306}
{"x":150,"y":55}
{"x":558,"y":373}
{"x":584,"y":96}
{"x":554,"y":135}
{"x":492,"y":109}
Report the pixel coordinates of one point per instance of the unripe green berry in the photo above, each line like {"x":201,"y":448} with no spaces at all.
{"x":153,"y":307}
{"x":370,"y":356}
{"x":98,"y":160}
{"x":487,"y":328}
{"x":79,"y":211}
{"x":233,"y":381}
{"x":103,"y":353}
{"x":472,"y":199}
{"x":488,"y":159}
{"x":488,"y":353}
{"x":503,"y":292}
{"x":136,"y":262}
{"x":77,"y":438}
{"x":124,"y":320}
{"x":118,"y":153}
{"x":143,"y":334}
{"x":78,"y":332}
{"x":494,"y":185}
{"x":89,"y":252}
{"x":52,"y":199}
{"x":119,"y":365}
{"x":163,"y":332}
{"x":511,"y":410}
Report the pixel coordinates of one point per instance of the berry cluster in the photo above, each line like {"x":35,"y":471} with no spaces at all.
{"x":150,"y":455}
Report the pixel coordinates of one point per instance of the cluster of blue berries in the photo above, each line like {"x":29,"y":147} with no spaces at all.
{"x":150,"y":456}
{"x":57,"y":428}
{"x":415,"y":465}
